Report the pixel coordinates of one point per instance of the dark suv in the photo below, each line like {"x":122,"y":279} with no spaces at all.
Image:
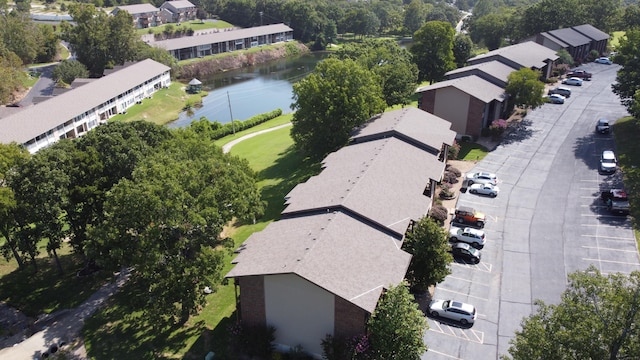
{"x":602,"y":126}
{"x":560,"y":91}
{"x":469,"y":216}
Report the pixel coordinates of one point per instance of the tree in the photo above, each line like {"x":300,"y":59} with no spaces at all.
{"x":397,"y":326}
{"x":491,"y":29}
{"x":69,"y":70}
{"x":524,"y":88}
{"x":12,"y":75}
{"x":433,"y":50}
{"x":398,"y":75}
{"x":12,"y":156}
{"x":21,"y":35}
{"x":628,"y":79}
{"x":338,"y":96}
{"x":462,"y":46}
{"x":100,"y":40}
{"x":564,"y":57}
{"x":486,"y":7}
{"x":429,"y":244}
{"x":167,"y":219}
{"x":414,"y":15}
{"x":550,"y":15}
{"x":596,"y":318}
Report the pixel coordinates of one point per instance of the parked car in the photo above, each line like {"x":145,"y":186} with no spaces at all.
{"x":453,"y":310}
{"x":560,"y":90}
{"x":602,"y":126}
{"x":465,"y":252}
{"x":484,"y":189}
{"x":471,"y":236}
{"x":579,"y":73}
{"x":603,"y":60}
{"x":555,"y":98}
{"x":608,"y":162}
{"x":572,"y":81}
{"x":469,"y":216}
{"x":616,"y":201}
{"x":481,"y":178}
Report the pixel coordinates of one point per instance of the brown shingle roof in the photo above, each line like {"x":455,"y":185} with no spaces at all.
{"x":332,"y":250}
{"x":528,"y":54}
{"x":137,"y":9}
{"x":495,"y":69}
{"x":591,"y":32}
{"x":420,"y":126}
{"x":40,"y":118}
{"x":381,"y":181}
{"x":472,"y":85}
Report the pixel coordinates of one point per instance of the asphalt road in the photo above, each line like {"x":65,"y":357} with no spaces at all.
{"x":546,"y":222}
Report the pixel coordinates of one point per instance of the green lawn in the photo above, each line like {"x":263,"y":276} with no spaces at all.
{"x":472,"y":151}
{"x":615,"y":39}
{"x":164,"y":106}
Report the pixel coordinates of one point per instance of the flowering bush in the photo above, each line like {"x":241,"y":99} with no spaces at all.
{"x":454,"y":150}
{"x":498,"y":127}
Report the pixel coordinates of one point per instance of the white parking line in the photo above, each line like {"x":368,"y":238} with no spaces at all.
{"x":613,"y":238}
{"x":443,"y":354}
{"x":612,"y":261}
{"x":467,"y":280}
{"x":477,"y":336}
{"x":611,"y":249}
{"x":484,"y":267}
{"x":459,"y":293}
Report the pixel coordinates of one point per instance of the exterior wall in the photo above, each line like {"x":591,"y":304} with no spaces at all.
{"x":251,"y":307}
{"x":350,"y":320}
{"x":477,"y":117}
{"x":427,"y":101}
{"x":301,"y":312}
{"x":92,"y":118}
{"x":548,"y":43}
{"x":452,"y":105}
{"x":481,"y":74}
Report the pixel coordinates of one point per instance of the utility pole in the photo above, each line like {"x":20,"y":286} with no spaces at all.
{"x":233,"y":126}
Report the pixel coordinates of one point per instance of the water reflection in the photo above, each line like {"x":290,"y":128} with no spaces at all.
{"x":244,"y":93}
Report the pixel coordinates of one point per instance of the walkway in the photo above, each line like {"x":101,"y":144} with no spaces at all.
{"x":66,"y":328}
{"x":227,"y":147}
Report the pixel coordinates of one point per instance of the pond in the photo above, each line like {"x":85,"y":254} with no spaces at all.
{"x":244,"y":93}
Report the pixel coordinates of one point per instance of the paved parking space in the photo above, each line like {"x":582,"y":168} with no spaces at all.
{"x":547,"y":221}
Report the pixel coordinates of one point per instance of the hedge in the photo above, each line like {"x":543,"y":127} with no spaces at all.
{"x":237,"y":125}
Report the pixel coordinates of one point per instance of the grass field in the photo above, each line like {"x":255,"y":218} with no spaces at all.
{"x":615,"y":39}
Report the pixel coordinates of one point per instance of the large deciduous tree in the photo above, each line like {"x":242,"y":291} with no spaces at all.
{"x":338,"y":96}
{"x":427,"y":241}
{"x":21,"y":35}
{"x":432,"y":50}
{"x":100,"y":40}
{"x":491,"y":29}
{"x":167,"y":219}
{"x":597,"y":318}
{"x":69,"y":70}
{"x":462,"y":46}
{"x":524,"y":88}
{"x":415,"y":14}
{"x":627,"y":83}
{"x":12,"y":75}
{"x":12,"y":156}
{"x":397,"y":326}
{"x":398,"y":75}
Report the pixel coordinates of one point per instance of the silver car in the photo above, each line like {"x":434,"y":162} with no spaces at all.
{"x":484,"y":189}
{"x":454,"y":310}
{"x":471,"y":236}
{"x":481,"y":177}
{"x":608,"y":162}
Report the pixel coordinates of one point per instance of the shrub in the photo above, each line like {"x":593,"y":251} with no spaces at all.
{"x":449,"y":177}
{"x":454,"y":150}
{"x":252,"y":340}
{"x":439,"y":213}
{"x":560,"y":70}
{"x":445,"y":191}
{"x":498,"y":127}
{"x":236,"y":125}
{"x":454,"y":170}
{"x":551,"y":80}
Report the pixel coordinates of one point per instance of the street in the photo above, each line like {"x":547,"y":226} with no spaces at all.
{"x":546,"y":222}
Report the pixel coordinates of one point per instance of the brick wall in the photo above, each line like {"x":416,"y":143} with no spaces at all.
{"x":252,"y":308}
{"x":427,"y":101}
{"x":349,"y":319}
{"x":474,"y":117}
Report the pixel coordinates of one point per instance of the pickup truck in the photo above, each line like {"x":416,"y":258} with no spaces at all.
{"x":579,"y":73}
{"x":616,"y":200}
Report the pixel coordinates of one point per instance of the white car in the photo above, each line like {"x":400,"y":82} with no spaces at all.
{"x":572,"y":81}
{"x":484,"y":189}
{"x":555,"y":98}
{"x":471,"y":236}
{"x":481,"y":178}
{"x":603,"y":60}
{"x":454,"y":310}
{"x":608,"y":162}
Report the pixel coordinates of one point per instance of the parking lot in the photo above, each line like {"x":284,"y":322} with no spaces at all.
{"x":547,"y":221}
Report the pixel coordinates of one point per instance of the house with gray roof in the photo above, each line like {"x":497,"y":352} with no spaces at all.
{"x":144,"y":15}
{"x":77,"y":111}
{"x":322,"y":267}
{"x":579,"y":41}
{"x":527,"y":54}
{"x":222,"y":40}
{"x":177,"y":11}
{"x":494,"y":72}
{"x":469,"y":103}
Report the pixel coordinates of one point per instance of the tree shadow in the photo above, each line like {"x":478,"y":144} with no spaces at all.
{"x":121,"y":331}
{"x":518,"y":131}
{"x":44,"y":292}
{"x":290,"y":169}
{"x":216,"y":340}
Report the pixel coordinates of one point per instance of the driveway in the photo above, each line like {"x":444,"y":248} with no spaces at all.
{"x":546,"y":222}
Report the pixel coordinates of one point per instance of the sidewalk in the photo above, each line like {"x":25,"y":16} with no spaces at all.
{"x":227,"y":147}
